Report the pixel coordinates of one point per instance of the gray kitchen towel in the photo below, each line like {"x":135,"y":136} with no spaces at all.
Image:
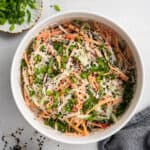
{"x":134,"y":136}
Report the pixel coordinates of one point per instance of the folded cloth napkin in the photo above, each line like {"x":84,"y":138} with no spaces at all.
{"x":134,"y":136}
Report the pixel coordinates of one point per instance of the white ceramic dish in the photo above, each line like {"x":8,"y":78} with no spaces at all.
{"x":29,"y":116}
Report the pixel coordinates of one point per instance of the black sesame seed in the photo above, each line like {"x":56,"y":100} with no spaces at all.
{"x":3,"y":138}
{"x":36,"y":132}
{"x":17,"y":147}
{"x":18,"y":140}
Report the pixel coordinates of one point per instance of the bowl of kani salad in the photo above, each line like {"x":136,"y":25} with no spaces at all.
{"x":77,"y":77}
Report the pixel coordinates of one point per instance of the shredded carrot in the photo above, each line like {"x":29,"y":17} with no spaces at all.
{"x":119,"y":73}
{"x":119,"y":53}
{"x":72,"y":120}
{"x":93,"y":82}
{"x":85,"y":129}
{"x":74,"y":28}
{"x":27,"y":100}
{"x":62,"y":97}
{"x":74,"y":109}
{"x":100,"y":125}
{"x":79,"y":123}
{"x":74,"y":127}
{"x":95,"y":49}
{"x":102,"y":102}
{"x":44,"y":115}
{"x":70,"y":36}
{"x":105,"y":32}
{"x":127,"y":56}
{"x":30,"y":80}
{"x":128,"y":52}
{"x":56,"y":32}
{"x":58,"y":58}
{"x":116,"y":101}
{"x":91,"y":40}
{"x":85,"y":37}
{"x":107,"y":73}
{"x":26,"y":58}
{"x":77,"y":106}
{"x":46,"y":35}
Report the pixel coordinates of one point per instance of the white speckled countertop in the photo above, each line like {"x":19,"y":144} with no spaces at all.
{"x":133,"y":15}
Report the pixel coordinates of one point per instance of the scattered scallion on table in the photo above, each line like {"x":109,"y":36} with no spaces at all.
{"x":56,"y":7}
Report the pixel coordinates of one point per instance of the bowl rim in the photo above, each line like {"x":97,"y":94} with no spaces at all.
{"x":14,"y":91}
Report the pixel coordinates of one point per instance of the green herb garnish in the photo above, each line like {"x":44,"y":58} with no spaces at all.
{"x":23,"y":63}
{"x":127,"y":93}
{"x":15,"y":11}
{"x":2,"y":21}
{"x":56,"y":100}
{"x":31,"y":93}
{"x":79,"y":40}
{"x":89,"y":103}
{"x":49,"y":92}
{"x":83,"y":75}
{"x":29,"y":16}
{"x":12,"y":27}
{"x":50,"y":122}
{"x":60,"y":126}
{"x":40,"y":70}
{"x":59,"y":47}
{"x":37,"y":58}
{"x":71,"y":47}
{"x":69,"y":105}
{"x":42,"y":48}
{"x":56,"y":7}
{"x":73,"y":79}
{"x":37,"y":80}
{"x":63,"y":61}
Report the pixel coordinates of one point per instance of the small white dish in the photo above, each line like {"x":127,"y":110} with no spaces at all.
{"x":29,"y":116}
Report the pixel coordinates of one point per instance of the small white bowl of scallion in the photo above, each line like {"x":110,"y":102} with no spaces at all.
{"x":19,"y":15}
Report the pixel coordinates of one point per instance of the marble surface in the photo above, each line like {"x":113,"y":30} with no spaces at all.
{"x":132,"y":15}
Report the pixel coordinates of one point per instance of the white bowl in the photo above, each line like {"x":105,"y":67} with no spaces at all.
{"x":30,"y":117}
